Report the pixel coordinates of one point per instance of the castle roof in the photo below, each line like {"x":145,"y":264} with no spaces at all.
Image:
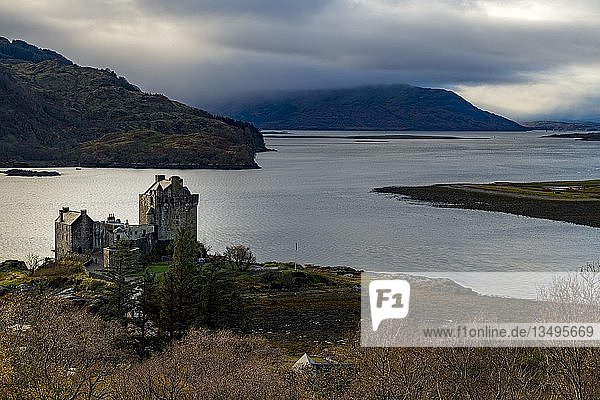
{"x":163,"y":184}
{"x":69,"y":217}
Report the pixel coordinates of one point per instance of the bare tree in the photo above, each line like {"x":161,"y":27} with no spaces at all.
{"x":33,"y":262}
{"x":573,"y":371}
{"x":207,"y":365}
{"x":51,"y":350}
{"x":239,"y":256}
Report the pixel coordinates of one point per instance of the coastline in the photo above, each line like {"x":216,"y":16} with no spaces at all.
{"x":579,"y":211}
{"x":58,"y":164}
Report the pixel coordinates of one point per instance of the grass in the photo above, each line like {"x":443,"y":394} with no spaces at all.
{"x":158,"y":268}
{"x":555,"y":190}
{"x":300,"y":310}
{"x":575,"y":202}
{"x":14,"y":278}
{"x":55,"y":274}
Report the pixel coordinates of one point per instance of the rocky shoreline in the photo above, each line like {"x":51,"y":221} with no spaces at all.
{"x":60,"y":164}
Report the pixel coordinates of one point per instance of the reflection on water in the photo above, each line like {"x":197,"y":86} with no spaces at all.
{"x":316,"y":192}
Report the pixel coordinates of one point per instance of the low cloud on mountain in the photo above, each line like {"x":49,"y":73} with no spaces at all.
{"x":525,"y":59}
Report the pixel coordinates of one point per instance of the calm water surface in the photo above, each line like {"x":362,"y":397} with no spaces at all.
{"x":317,"y":192}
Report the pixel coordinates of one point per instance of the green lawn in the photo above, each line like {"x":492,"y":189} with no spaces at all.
{"x":159,"y":268}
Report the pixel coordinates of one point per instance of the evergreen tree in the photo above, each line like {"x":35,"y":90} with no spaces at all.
{"x":124,"y":268}
{"x":146,"y":310}
{"x":221,"y":305}
{"x":179,"y":289}
{"x":197,"y":296}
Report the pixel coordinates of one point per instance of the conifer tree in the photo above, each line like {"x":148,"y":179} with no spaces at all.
{"x":180,"y":287}
{"x":122,"y":273}
{"x":146,"y":310}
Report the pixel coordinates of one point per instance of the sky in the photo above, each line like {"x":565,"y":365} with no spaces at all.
{"x":524,"y":59}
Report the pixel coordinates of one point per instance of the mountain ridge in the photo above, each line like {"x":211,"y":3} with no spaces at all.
{"x":398,"y":107}
{"x":57,"y":113}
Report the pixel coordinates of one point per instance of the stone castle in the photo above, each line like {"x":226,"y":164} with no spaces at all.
{"x":164,"y":208}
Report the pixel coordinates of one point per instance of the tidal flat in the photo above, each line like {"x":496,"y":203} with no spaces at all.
{"x":575,"y":202}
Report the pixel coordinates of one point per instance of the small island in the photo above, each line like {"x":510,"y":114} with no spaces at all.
{"x":576,"y":202}
{"x":30,"y":173}
{"x":584,"y":136}
{"x":367,"y":137}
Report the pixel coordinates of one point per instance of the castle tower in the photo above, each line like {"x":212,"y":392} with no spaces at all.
{"x":73,"y":233}
{"x":168,"y":205}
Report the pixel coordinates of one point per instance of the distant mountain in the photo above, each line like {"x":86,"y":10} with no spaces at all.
{"x":53,"y":112}
{"x":563,"y":125}
{"x":387,"y":107}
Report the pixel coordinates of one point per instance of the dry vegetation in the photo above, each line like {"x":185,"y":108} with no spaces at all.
{"x":52,"y":347}
{"x":52,"y":350}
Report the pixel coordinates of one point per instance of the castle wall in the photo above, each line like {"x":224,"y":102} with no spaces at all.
{"x":82,"y":235}
{"x":62,"y":239}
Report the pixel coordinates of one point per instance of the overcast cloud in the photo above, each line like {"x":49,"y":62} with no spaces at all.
{"x":524,"y":59}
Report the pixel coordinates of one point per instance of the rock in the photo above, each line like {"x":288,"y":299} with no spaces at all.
{"x":23,"y":287}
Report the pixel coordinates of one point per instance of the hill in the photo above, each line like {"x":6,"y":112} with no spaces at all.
{"x":387,"y":107}
{"x":54,"y":112}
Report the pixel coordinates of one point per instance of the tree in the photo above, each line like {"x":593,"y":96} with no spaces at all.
{"x":203,"y":250}
{"x":240,"y":257}
{"x":207,"y":365}
{"x":146,"y":310}
{"x":221,"y":305}
{"x":572,"y":371}
{"x":33,"y":262}
{"x":123,"y":272}
{"x":54,"y":350}
{"x":179,"y":289}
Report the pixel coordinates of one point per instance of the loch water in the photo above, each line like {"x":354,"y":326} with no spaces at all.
{"x":316,"y":192}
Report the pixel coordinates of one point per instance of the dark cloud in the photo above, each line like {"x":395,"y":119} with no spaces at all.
{"x":290,"y":11}
{"x":205,"y":51}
